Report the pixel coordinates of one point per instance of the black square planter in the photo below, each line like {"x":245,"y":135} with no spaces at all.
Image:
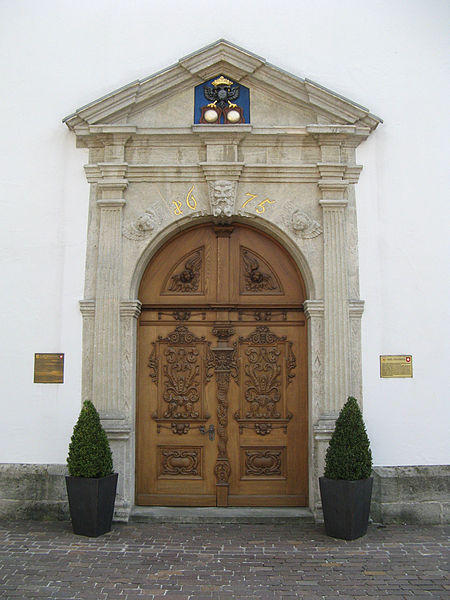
{"x":91,"y":503}
{"x":346,"y":506}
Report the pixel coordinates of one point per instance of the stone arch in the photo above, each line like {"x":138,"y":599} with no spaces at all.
{"x":271,"y":229}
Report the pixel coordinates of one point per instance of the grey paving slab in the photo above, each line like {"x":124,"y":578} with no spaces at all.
{"x":222,"y":561}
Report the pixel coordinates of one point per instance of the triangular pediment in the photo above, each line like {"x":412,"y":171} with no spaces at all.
{"x":278,"y":98}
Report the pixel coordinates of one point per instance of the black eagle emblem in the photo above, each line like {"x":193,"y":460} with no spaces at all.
{"x":222,"y":93}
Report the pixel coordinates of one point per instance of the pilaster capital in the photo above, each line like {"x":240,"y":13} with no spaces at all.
{"x":324,"y":427}
{"x":333,"y":186}
{"x":111,"y":202}
{"x":331,"y":171}
{"x":130,"y":308}
{"x":87,"y":308}
{"x":356,"y":308}
{"x":115,"y":137}
{"x":313,"y":308}
{"x":331,"y":203}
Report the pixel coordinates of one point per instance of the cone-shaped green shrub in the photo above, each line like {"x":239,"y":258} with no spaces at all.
{"x":348,"y":454}
{"x":89,"y":451}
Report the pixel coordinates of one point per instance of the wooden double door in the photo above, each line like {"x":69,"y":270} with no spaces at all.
{"x":222,"y":373}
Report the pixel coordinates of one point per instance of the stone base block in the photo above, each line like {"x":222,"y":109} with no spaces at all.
{"x":413,"y":494}
{"x":33,"y":492}
{"x":418,"y":494}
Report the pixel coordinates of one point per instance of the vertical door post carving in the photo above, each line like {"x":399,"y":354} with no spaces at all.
{"x":225,"y":366}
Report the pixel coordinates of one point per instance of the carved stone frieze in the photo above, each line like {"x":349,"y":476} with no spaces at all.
{"x":143,"y":227}
{"x":222,"y":195}
{"x":304,"y":226}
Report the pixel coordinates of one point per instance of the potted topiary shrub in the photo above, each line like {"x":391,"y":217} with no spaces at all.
{"x":91,"y":483}
{"x":346,"y":488}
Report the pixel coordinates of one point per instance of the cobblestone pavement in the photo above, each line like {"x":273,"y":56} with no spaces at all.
{"x":173,"y":561}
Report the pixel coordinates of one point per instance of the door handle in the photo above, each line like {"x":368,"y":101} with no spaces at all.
{"x":210,"y":431}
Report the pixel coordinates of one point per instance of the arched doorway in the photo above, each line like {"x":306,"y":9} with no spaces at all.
{"x":222,"y":402}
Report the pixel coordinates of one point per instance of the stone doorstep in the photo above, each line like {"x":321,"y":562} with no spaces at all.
{"x":213,"y":514}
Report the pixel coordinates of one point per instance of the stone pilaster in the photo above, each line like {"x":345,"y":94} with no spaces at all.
{"x":356,"y":309}
{"x":314,"y":312}
{"x":107,"y":346}
{"x":337,"y":363}
{"x":87,"y":309}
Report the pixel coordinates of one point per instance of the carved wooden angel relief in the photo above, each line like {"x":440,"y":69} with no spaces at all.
{"x":186,"y":276}
{"x":256,"y":275}
{"x":268,"y":363}
{"x":180,"y":366}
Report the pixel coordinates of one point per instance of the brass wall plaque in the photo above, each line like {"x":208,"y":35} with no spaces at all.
{"x":396,"y":366}
{"x":49,"y":368}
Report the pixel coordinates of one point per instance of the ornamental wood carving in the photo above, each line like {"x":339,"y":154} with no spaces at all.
{"x":268,"y":365}
{"x":262,"y":382}
{"x":260,"y":462}
{"x":225,"y":367}
{"x":249,"y":344}
{"x":180,"y":365}
{"x":180,"y":462}
{"x":186,"y":276}
{"x":258,"y":277}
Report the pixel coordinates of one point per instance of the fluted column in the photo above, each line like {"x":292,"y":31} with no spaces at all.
{"x":107,"y":346}
{"x":337,"y":332}
{"x":106,"y":390}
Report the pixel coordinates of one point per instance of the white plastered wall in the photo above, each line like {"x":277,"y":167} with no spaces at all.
{"x":387,"y":55}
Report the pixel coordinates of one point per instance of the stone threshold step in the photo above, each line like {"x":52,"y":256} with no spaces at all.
{"x":213,"y":514}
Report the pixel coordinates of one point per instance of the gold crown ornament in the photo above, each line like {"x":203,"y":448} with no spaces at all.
{"x":222,"y":81}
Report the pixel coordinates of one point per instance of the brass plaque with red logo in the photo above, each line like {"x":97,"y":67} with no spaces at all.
{"x":393,"y":366}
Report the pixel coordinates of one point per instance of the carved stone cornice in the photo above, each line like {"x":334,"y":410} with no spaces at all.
{"x":335,"y":187}
{"x":87,"y":308}
{"x":111,"y":202}
{"x":331,"y":203}
{"x":173,"y":173}
{"x":276,"y":173}
{"x":337,"y":134}
{"x":214,"y":171}
{"x":323,"y":429}
{"x":331,"y":170}
{"x":313,"y":308}
{"x":130,"y":308}
{"x":227,"y":134}
{"x":352,"y":173}
{"x":356,"y":308}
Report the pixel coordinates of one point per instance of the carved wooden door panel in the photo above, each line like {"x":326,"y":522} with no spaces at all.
{"x":176,"y":447}
{"x":268,"y":428}
{"x":222,"y":373}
